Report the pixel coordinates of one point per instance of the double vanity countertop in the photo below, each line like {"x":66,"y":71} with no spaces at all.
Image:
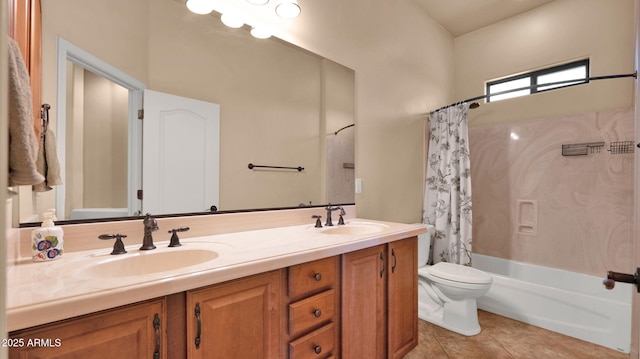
{"x":88,"y":281}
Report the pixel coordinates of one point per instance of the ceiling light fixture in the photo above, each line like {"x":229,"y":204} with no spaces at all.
{"x":231,"y":20}
{"x":260,"y":33}
{"x":258,"y":2}
{"x":288,"y":9}
{"x":201,"y":7}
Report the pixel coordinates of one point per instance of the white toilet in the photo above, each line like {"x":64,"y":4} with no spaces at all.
{"x":447,"y":292}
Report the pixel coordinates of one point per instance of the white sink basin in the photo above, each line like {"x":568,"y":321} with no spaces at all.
{"x":137,"y":263}
{"x":148,"y":262}
{"x":355,"y":228}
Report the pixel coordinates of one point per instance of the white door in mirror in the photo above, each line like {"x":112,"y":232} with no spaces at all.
{"x":181,"y":154}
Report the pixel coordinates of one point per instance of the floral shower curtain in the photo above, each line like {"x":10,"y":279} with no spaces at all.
{"x":447,"y":198}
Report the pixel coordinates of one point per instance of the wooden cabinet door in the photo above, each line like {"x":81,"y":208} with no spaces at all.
{"x":402,"y":268}
{"x":364,"y":280}
{"x":25,"y":26}
{"x":135,"y":331}
{"x":238,"y":319}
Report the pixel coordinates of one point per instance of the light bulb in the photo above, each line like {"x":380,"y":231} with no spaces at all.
{"x":201,"y":7}
{"x":288,"y":9}
{"x":231,"y":20}
{"x":260,"y":33}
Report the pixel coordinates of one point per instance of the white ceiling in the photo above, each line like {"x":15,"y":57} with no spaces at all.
{"x":462,"y":16}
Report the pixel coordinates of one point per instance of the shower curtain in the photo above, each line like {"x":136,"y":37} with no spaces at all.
{"x":447,"y":197}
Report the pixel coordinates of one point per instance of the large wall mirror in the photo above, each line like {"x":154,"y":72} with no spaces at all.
{"x":280,"y":105}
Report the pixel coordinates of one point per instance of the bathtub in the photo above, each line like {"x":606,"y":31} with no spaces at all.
{"x":566,"y":302}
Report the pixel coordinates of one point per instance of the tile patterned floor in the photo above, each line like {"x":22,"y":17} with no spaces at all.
{"x":504,"y":338}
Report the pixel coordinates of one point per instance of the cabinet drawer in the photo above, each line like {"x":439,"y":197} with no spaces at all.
{"x":312,"y":311}
{"x":307,"y":277}
{"x":314,"y":345}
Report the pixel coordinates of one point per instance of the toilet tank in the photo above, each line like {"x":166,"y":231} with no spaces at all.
{"x":424,"y":243}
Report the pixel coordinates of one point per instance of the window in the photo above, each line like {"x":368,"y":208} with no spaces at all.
{"x":570,"y":74}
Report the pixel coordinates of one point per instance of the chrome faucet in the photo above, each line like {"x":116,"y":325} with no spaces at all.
{"x":150,"y":225}
{"x":331,"y":209}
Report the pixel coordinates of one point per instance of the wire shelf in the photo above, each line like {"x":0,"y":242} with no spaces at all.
{"x":621,"y":147}
{"x":581,"y":149}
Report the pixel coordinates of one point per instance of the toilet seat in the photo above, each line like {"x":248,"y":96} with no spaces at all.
{"x":458,"y":273}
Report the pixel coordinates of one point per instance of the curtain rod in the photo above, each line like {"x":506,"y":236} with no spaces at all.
{"x":594,"y":78}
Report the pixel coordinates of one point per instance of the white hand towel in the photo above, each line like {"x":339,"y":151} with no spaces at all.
{"x":23,"y":144}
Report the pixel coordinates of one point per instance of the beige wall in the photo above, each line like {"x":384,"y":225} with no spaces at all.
{"x":105,"y":143}
{"x":404,"y":68}
{"x":558,"y":32}
{"x":339,"y":96}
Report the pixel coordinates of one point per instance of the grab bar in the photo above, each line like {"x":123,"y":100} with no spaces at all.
{"x":299,"y":168}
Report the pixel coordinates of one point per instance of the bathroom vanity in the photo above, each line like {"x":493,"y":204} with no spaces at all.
{"x":279,"y":292}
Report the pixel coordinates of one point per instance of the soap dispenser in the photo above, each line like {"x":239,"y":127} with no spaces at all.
{"x":47,"y":241}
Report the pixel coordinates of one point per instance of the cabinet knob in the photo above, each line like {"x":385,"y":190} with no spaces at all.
{"x":317,"y":349}
{"x":317,"y":277}
{"x":317,"y":313}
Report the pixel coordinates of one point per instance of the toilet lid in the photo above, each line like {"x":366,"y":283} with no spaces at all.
{"x":459,"y":273}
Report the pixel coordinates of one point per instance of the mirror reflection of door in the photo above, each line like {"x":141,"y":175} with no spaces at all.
{"x":181,"y":154}
{"x":97,"y":155}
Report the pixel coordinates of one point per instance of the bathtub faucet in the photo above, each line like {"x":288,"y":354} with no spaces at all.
{"x":331,"y":209}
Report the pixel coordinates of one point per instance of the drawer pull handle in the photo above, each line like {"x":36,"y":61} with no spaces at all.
{"x":317,"y":277}
{"x":317,"y":313}
{"x":317,"y":349}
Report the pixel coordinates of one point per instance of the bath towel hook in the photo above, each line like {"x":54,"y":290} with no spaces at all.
{"x":44,"y":116}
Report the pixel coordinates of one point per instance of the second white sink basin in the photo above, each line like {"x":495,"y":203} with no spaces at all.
{"x":355,"y":228}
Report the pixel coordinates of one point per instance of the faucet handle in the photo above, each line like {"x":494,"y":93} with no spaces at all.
{"x":318,"y":223}
{"x":175,"y":241}
{"x":341,"y":220}
{"x":118,"y":246}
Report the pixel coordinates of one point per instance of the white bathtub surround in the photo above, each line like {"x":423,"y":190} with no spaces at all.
{"x":447,"y":198}
{"x":566,"y":302}
{"x":533,"y":205}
